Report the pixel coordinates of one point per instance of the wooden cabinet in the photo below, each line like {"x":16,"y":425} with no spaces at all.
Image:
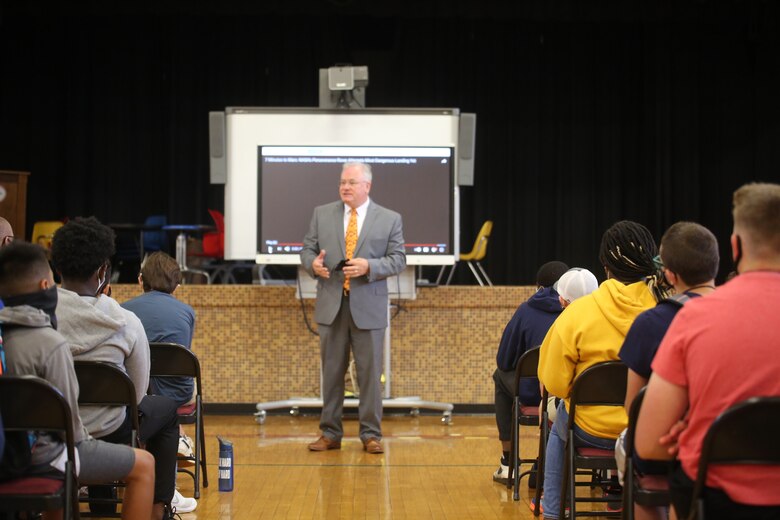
{"x":13,"y":200}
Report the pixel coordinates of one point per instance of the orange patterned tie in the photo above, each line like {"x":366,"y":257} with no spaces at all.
{"x":350,"y":241}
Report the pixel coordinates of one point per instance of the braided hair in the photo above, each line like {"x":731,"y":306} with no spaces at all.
{"x":627,"y":251}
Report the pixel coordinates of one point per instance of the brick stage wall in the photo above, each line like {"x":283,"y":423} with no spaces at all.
{"x":253,"y":344}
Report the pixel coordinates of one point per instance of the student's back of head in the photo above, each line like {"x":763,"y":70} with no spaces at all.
{"x":22,"y":268}
{"x":81,"y":247}
{"x":757,"y":222}
{"x":161,"y":273}
{"x":576,"y":283}
{"x":627,"y":251}
{"x":549,"y":273}
{"x":690,"y":250}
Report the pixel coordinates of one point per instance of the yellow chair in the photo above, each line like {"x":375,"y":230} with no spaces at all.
{"x":43,"y":233}
{"x":476,"y":254}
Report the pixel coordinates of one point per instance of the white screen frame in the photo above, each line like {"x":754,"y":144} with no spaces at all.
{"x":249,"y":128}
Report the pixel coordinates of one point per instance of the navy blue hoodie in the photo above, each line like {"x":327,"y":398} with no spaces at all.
{"x":525,"y":331}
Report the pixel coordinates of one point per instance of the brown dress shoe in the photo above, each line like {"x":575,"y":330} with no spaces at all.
{"x":373,"y":445}
{"x":324,"y":444}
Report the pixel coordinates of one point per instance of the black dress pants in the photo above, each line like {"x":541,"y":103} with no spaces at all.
{"x":159,"y":431}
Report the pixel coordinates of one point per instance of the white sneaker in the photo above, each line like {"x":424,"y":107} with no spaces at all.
{"x":185,"y":446}
{"x":502,"y":474}
{"x":183,"y":504}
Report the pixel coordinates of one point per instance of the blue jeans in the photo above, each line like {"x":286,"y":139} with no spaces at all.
{"x":556,"y":456}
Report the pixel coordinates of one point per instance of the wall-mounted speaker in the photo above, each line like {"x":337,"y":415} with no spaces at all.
{"x":467,"y":136}
{"x":217,"y":144}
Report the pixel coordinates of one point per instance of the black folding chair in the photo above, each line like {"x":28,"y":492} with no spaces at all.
{"x":645,"y":490}
{"x":746,"y":433}
{"x":603,"y":384}
{"x":523,"y":415}
{"x":104,"y":384}
{"x":173,"y":360}
{"x":28,"y":403}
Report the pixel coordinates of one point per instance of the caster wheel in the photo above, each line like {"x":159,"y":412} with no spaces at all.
{"x":260,"y":417}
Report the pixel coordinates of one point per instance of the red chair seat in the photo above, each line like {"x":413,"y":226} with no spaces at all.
{"x":595,"y":452}
{"x":31,"y":486}
{"x":529,"y":410}
{"x":186,"y":409}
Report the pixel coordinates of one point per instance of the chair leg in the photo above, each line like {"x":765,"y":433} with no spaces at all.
{"x":476,"y":275}
{"x":452,"y":272}
{"x":202,"y":443}
{"x":196,"y":449}
{"x":70,"y":508}
{"x":441,"y":275}
{"x":568,"y":484}
{"x":628,"y":490}
{"x":484,"y":274}
{"x":543,"y":431}
{"x":514,"y":468}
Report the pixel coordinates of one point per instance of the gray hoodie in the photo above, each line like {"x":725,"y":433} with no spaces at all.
{"x":32,"y":347}
{"x":98,"y":329}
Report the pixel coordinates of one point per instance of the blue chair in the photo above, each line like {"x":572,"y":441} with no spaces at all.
{"x":156,"y":240}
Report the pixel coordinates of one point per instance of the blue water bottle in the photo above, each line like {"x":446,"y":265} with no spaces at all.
{"x":225,"y":464}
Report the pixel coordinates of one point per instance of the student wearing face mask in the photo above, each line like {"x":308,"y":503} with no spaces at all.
{"x":98,"y":329}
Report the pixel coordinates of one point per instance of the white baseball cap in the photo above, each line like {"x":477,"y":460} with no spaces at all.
{"x":576,"y":282}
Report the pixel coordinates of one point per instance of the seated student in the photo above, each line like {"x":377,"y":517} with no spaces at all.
{"x":689,"y":254}
{"x":166,"y":320}
{"x":524,"y":331}
{"x":575,"y":283}
{"x":589,"y":331}
{"x":98,"y":329}
{"x":34,"y":347}
{"x":721,"y":350}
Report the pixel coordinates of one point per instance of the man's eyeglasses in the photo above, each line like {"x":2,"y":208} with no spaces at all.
{"x":350,"y":183}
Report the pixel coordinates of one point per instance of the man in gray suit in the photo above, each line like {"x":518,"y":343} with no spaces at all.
{"x":351,"y":307}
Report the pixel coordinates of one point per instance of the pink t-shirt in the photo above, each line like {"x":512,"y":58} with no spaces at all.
{"x":725,"y":348}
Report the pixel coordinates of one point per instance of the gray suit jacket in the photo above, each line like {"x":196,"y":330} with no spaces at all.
{"x":381,"y":242}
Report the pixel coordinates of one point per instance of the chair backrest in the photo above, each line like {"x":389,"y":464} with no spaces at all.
{"x":32,"y":403}
{"x":214,"y":242}
{"x":104,"y":384}
{"x":174,"y":360}
{"x":603,"y":384}
{"x":746,"y":433}
{"x":479,"y":250}
{"x":155,"y":240}
{"x":527,"y":366}
{"x":43,"y":232}
{"x":219,"y":220}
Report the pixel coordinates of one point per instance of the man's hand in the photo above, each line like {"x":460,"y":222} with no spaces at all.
{"x":356,"y":267}
{"x":318,"y":265}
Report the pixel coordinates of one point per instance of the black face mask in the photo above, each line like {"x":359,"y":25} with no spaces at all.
{"x":45,"y":300}
{"x":738,"y":256}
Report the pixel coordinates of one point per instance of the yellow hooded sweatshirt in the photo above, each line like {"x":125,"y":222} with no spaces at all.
{"x":589,"y":331}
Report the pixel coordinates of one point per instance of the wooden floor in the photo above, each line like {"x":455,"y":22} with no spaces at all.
{"x":428,"y":470}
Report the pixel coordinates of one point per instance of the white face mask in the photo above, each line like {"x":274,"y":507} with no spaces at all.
{"x":101,"y":284}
